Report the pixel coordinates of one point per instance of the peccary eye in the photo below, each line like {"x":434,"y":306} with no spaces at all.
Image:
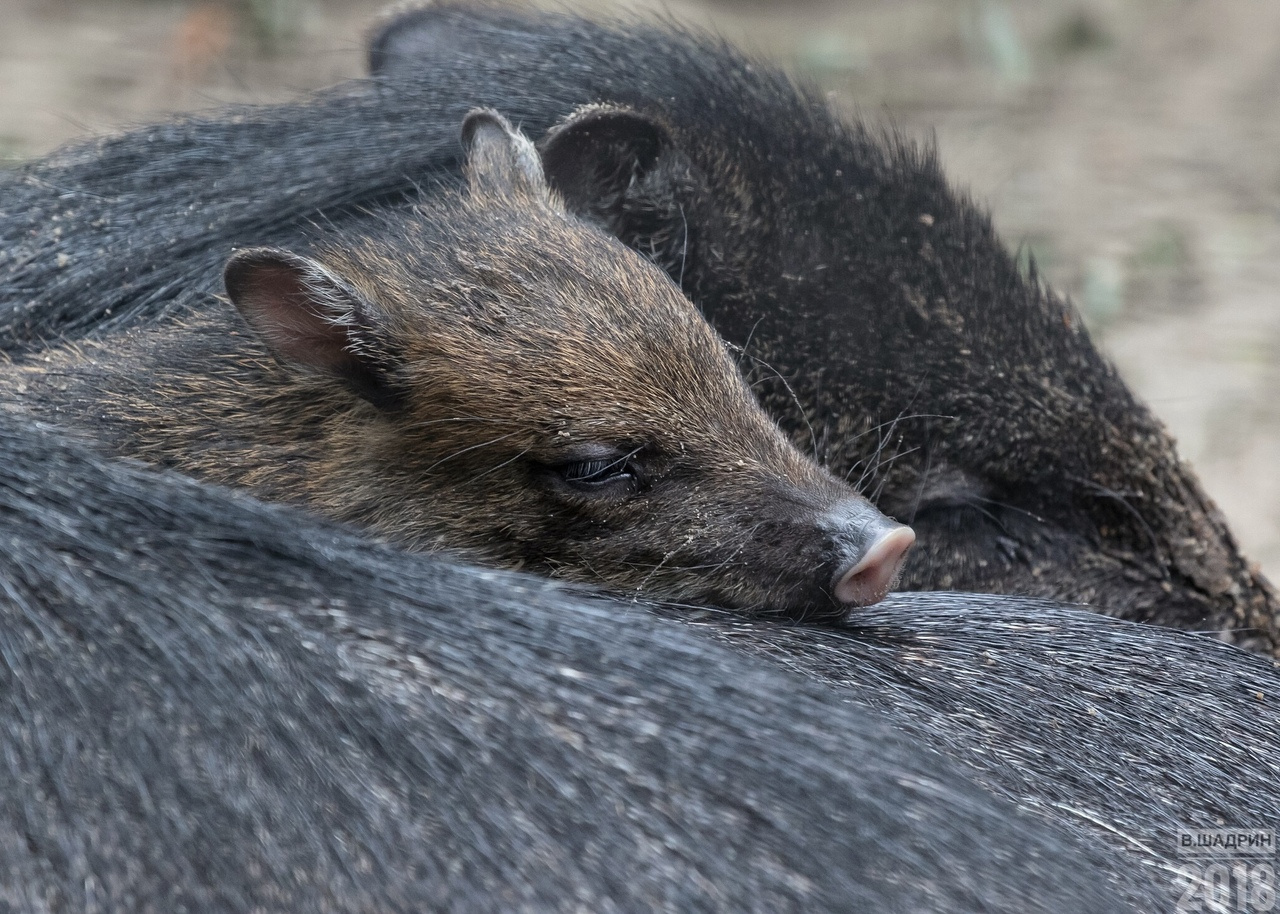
{"x":588,"y":472}
{"x":614,"y":474}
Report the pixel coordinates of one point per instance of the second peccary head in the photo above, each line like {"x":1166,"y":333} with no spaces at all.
{"x":493,"y":377}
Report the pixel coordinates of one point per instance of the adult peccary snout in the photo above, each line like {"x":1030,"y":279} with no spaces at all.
{"x":493,"y":376}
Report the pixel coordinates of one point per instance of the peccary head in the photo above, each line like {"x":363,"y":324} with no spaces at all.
{"x":527,"y":390}
{"x":969,"y":396}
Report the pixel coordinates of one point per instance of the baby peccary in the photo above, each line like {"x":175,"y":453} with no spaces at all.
{"x":496,"y":378}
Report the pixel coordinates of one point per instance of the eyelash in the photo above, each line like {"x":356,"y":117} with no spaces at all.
{"x":597,"y":474}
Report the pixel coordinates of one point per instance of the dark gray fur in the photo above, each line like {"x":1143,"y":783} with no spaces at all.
{"x":216,"y":702}
{"x":213,"y":704}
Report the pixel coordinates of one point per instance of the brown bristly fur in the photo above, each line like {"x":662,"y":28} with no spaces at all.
{"x":497,"y":340}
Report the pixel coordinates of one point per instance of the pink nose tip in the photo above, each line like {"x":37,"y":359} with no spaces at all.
{"x":869,"y":580}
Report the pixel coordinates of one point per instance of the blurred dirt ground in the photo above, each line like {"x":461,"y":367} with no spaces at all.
{"x":1132,"y":146}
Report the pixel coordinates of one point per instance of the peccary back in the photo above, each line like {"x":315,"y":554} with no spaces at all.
{"x":212,"y":704}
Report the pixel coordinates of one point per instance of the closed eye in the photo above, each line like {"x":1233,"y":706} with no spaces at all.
{"x":591,"y":472}
{"x":618,"y":474}
{"x":949,"y":498}
{"x":955,"y":514}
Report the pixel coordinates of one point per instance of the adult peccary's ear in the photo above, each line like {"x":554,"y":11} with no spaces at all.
{"x":500,"y":159}
{"x":308,"y":316}
{"x":404,"y":36}
{"x":622,"y":169}
{"x":599,"y":151}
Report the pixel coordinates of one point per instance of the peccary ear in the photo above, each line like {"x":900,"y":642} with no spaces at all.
{"x":500,"y":159}
{"x":599,"y":151}
{"x":407,"y":38}
{"x":622,"y":169}
{"x":309,"y":316}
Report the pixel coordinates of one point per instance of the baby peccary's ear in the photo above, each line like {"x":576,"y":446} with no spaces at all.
{"x":310,"y":317}
{"x":600,"y":153}
{"x":500,"y":159}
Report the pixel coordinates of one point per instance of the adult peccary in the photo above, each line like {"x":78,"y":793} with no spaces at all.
{"x":219,"y":705}
{"x":890,"y":325}
{"x":836,"y":254}
{"x":215,"y":701}
{"x":1125,"y":733}
{"x":491,"y":376}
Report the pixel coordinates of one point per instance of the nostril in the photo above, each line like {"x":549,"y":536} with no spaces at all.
{"x":874,"y":573}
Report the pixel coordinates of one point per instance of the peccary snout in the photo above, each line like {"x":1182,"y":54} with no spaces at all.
{"x":870,"y":550}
